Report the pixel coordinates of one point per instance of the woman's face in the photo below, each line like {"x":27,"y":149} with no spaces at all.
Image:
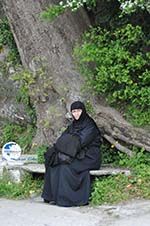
{"x":76,"y":113}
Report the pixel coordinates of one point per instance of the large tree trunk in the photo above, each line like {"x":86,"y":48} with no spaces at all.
{"x":46,"y":49}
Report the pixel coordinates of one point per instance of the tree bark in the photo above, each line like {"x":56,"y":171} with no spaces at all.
{"x":46,"y":49}
{"x":112,"y":124}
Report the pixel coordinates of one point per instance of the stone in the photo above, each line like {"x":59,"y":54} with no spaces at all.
{"x":34,"y":168}
{"x":1,"y":172}
{"x":13,"y":169}
{"x":104,"y":171}
{"x":28,"y":164}
{"x":14,"y":175}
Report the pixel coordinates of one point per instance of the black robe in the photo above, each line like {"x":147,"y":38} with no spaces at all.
{"x":69,"y":184}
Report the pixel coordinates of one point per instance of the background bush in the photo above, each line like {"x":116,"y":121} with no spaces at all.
{"x":115,"y":65}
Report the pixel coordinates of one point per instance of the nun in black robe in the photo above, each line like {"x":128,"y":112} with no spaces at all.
{"x":68,"y":184}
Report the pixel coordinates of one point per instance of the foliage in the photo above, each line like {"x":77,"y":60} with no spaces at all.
{"x":140,"y":158}
{"x":110,"y":155}
{"x":126,"y":6}
{"x":25,"y":189}
{"x":6,"y":39}
{"x":55,"y":10}
{"x":76,"y":4}
{"x":40,"y":153}
{"x":115,"y":66}
{"x":52,"y":12}
{"x":118,"y":188}
{"x":22,"y":135}
{"x":138,"y":116}
{"x":25,"y":79}
{"x":130,"y":6}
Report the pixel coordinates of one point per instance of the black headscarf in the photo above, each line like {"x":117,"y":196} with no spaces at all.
{"x":79,"y":105}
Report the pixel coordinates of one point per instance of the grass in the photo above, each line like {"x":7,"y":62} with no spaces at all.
{"x":114,"y":189}
{"x":22,"y":190}
{"x":119,"y":188}
{"x":105,"y":190}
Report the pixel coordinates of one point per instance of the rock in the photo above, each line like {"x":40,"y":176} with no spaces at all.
{"x":28,"y":164}
{"x":13,"y":169}
{"x":34,"y":168}
{"x":104,"y":171}
{"x":15,"y":175}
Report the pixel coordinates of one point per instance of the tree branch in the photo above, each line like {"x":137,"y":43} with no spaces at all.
{"x":118,"y":146}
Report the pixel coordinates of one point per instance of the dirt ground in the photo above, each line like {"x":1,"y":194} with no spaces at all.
{"x":34,"y":212}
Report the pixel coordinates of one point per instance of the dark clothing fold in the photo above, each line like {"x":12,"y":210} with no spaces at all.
{"x":50,"y":157}
{"x":68,"y":144}
{"x":69,"y":184}
{"x":64,"y":150}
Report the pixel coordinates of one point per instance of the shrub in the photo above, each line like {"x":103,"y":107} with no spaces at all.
{"x":115,"y":65}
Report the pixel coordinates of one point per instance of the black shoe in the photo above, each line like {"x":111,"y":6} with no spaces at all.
{"x":52,"y":203}
{"x":46,"y":201}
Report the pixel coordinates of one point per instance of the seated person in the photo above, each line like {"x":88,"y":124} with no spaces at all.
{"x":67,"y":182}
